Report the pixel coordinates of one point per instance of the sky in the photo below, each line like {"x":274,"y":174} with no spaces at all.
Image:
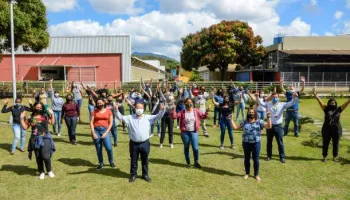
{"x":157,"y":26}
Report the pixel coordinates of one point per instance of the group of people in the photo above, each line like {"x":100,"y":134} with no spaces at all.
{"x":167,"y":103}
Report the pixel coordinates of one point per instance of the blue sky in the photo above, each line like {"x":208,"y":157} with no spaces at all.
{"x":157,"y":25}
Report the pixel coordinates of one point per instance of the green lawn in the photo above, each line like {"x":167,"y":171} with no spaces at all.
{"x":304,"y":176}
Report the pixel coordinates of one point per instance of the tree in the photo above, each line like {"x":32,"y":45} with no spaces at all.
{"x":195,"y":77}
{"x":229,"y":42}
{"x":30,"y":25}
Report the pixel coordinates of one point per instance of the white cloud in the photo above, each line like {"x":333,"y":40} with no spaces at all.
{"x":116,"y":6}
{"x":61,"y":5}
{"x":313,"y":2}
{"x":161,"y":31}
{"x":328,"y":34}
{"x":338,"y":15}
{"x":314,"y":34}
{"x":348,"y":4}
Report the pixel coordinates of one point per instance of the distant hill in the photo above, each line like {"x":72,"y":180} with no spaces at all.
{"x":169,"y":63}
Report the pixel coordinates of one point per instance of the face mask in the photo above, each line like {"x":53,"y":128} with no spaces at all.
{"x":57,"y":94}
{"x":189,"y":105}
{"x":99,"y":106}
{"x":261,"y":94}
{"x":251,"y":116}
{"x":275,"y":100}
{"x":200,"y":96}
{"x":110,"y":101}
{"x":139,"y":112}
{"x":194,"y":85}
{"x":36,"y":111}
{"x":18,"y":104}
{"x":332,"y":107}
{"x":69,"y":99}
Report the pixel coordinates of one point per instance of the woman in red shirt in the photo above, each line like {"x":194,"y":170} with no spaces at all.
{"x":70,"y":114}
{"x":101,"y":124}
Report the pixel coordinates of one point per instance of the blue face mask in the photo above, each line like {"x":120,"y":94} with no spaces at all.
{"x":18,"y":104}
{"x":275,"y":100}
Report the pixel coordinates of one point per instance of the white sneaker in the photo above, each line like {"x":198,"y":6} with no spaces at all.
{"x":177,"y":127}
{"x":221,"y":147}
{"x":59,"y":134}
{"x":51,"y":174}
{"x":151,"y":135}
{"x":161,"y":146}
{"x":158,"y":134}
{"x":42,"y":176}
{"x":233,"y":146}
{"x":172,"y":146}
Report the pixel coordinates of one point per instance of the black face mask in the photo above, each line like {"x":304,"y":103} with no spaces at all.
{"x":110,"y":101}
{"x":251,"y":116}
{"x":38,"y":112}
{"x":69,"y":99}
{"x":99,"y":106}
{"x":332,"y":107}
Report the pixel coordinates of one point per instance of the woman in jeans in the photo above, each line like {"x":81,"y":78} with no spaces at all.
{"x":71,"y":114}
{"x":167,"y":120}
{"x":219,"y":98}
{"x":251,"y":138}
{"x":101,"y":124}
{"x":18,"y":132}
{"x":110,"y":106}
{"x":261,"y":111}
{"x":189,"y":126}
{"x":225,"y":111}
{"x":331,"y":129}
{"x":77,"y":93}
{"x":40,"y":141}
{"x":57,"y":104}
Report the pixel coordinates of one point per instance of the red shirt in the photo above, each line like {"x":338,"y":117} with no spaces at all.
{"x":102,"y":119}
{"x":195,"y":92}
{"x":71,"y":110}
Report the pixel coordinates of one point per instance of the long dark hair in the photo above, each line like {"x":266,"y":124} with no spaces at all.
{"x":42,"y":109}
{"x":255,"y":114}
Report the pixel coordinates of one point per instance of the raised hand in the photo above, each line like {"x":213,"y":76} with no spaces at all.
{"x":116,"y":105}
{"x":30,"y":101}
{"x":51,"y":80}
{"x":162,"y":107}
{"x":282,"y":79}
{"x":295,"y":95}
{"x":6,"y":101}
{"x":23,"y":114}
{"x":302,"y":79}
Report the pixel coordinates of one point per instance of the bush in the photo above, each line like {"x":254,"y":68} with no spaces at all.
{"x":195,"y":77}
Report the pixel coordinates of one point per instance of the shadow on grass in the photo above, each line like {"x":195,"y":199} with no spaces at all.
{"x":61,"y":140}
{"x":344,"y":161}
{"x":310,"y":143}
{"x":76,"y":162}
{"x":106,"y":172}
{"x":205,"y":169}
{"x":19,"y":169}
{"x":6,"y":146}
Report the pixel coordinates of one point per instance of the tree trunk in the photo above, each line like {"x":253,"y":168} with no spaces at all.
{"x":223,"y":70}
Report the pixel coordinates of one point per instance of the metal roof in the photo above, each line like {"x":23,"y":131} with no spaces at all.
{"x":317,"y":52}
{"x":109,"y":44}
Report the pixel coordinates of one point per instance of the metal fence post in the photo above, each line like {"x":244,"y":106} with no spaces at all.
{"x":335,"y":87}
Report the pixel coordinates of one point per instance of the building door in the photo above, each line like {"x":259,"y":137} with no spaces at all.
{"x":84,"y":74}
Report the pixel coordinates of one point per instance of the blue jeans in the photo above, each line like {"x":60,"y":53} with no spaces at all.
{"x":57,"y":115}
{"x":114,"y":132}
{"x":240,"y":108}
{"x":71,"y":123}
{"x":223,"y":124}
{"x":190,"y":138}
{"x":91,"y":109}
{"x":261,"y":115}
{"x":275,"y":131}
{"x":254,"y":150}
{"x":19,"y":134}
{"x":158,"y":127}
{"x":292,"y":115}
{"x":106,"y":142}
{"x":217,"y":113}
{"x":79,"y":102}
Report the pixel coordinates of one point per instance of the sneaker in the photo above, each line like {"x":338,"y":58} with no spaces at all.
{"x":172,"y":146}
{"x":161,"y":146}
{"x":42,"y":176}
{"x":324,"y":160}
{"x":113,"y":166}
{"x":257,"y":178}
{"x":51,"y":174}
{"x":12,"y":153}
{"x":59,"y":134}
{"x":206,"y":135}
{"x":151,"y":135}
{"x":188,"y":166}
{"x":245,"y":177}
{"x":222,"y":147}
{"x":100,"y":167}
{"x":22,"y":150}
{"x":158,"y":134}
{"x":233,"y":146}
{"x":178,"y":127}
{"x":115,"y":145}
{"x":267,"y":159}
{"x":197,"y":165}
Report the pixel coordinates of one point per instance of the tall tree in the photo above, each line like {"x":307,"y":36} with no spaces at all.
{"x":30,"y":25}
{"x":229,"y":42}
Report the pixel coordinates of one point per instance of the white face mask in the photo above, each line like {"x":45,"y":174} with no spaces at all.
{"x":57,"y":94}
{"x":261,"y":94}
{"x":200,"y":96}
{"x":139,"y":112}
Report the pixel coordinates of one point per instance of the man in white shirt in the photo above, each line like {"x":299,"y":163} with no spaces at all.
{"x":139,"y":126}
{"x":276,"y":109}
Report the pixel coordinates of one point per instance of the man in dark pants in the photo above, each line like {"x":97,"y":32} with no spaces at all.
{"x":276,"y":108}
{"x":139,"y":126}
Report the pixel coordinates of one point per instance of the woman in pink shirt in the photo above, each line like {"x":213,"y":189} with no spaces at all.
{"x":189,"y":126}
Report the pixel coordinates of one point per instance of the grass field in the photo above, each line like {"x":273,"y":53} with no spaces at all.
{"x":304,"y":176}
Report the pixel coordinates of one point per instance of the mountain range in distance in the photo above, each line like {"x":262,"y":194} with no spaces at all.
{"x":142,"y":54}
